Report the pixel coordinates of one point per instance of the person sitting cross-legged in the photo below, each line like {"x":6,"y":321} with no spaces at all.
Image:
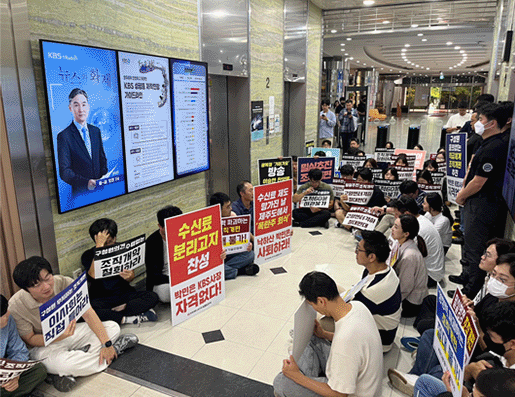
{"x":113,"y":298}
{"x":83,"y":349}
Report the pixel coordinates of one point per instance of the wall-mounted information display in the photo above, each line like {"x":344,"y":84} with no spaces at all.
{"x":190,"y":117}
{"x":111,"y":125}
{"x":147,"y":129}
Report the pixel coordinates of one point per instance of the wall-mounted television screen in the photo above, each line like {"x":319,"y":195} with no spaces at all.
{"x":110,"y":118}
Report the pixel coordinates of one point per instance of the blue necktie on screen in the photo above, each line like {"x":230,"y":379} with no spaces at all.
{"x":85,"y":135}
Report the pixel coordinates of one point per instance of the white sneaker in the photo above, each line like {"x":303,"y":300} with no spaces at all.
{"x":405,"y":383}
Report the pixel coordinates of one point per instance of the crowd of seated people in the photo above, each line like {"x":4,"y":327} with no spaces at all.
{"x":402,"y":260}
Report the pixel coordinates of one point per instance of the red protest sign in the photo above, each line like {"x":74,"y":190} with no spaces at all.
{"x":194,"y":243}
{"x":272,"y":207}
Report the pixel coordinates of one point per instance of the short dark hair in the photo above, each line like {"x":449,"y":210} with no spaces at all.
{"x":419,"y":146}
{"x":496,"y":382}
{"x":393,"y":171}
{"x":347,"y":169}
{"x":294,"y":158}
{"x":376,"y":243}
{"x":432,"y":163}
{"x":26,"y":273}
{"x":366,"y":174}
{"x":495,"y":112}
{"x":354,"y":140}
{"x":389,"y":143}
{"x":75,"y":92}
{"x":486,"y":97}
{"x":320,"y":153}
{"x":103,"y":224}
{"x":500,"y":318}
{"x":167,"y":212}
{"x":316,"y":285}
{"x":372,"y":162}
{"x":502,"y":246}
{"x":425,"y":174}
{"x":508,"y":259}
{"x":408,"y":187}
{"x":219,"y":198}
{"x":327,"y":141}
{"x":342,"y":99}
{"x":241,"y":187}
{"x":406,"y":204}
{"x":315,"y":174}
{"x":4,"y":305}
{"x":360,"y":153}
{"x":326,"y":102}
{"x":348,"y":101}
{"x":462,"y":105}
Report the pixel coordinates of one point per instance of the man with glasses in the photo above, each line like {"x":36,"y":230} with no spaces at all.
{"x":83,"y":349}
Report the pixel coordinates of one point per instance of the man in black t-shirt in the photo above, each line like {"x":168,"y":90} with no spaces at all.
{"x":484,"y":208}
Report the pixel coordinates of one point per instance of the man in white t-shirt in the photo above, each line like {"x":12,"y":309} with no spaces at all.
{"x":346,"y":363}
{"x":458,"y":120}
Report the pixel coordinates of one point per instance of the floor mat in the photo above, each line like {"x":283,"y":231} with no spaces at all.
{"x":186,"y":376}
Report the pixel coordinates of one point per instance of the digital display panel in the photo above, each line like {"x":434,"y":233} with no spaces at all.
{"x":85,"y":123}
{"x":145,"y":85}
{"x":190,"y":116}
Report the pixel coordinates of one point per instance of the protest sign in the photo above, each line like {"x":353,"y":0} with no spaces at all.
{"x":383,"y":155}
{"x":432,"y":156}
{"x":442,"y":166}
{"x":411,"y":160}
{"x":194,"y":247}
{"x":329,"y":152}
{"x":338,"y":186}
{"x":508,"y":189}
{"x":430,"y":188}
{"x":272,"y":217}
{"x":10,"y":369}
{"x":388,"y":187}
{"x":404,"y":172}
{"x":236,"y":233}
{"x":450,"y":342}
{"x":437,"y":177}
{"x":358,"y":192}
{"x":467,"y":323}
{"x":111,"y":261}
{"x":274,"y":170}
{"x":309,"y":146}
{"x":324,"y":164}
{"x":377,"y":173}
{"x":319,"y":198}
{"x":456,"y":149}
{"x":303,"y":323}
{"x":69,"y":304}
{"x":361,"y":217}
{"x":420,"y":157}
{"x":355,"y":161}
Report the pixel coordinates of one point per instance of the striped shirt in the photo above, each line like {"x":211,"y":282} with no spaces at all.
{"x":382,"y":296}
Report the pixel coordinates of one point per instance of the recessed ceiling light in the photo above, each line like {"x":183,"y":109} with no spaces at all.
{"x":457,"y":47}
{"x":414,"y":25}
{"x":427,"y":68}
{"x":404,"y":50}
{"x":385,"y":22}
{"x":351,"y":58}
{"x":439,"y":18}
{"x":424,"y":39}
{"x":343,"y":49}
{"x":346,"y":54}
{"x":342,"y":43}
{"x":406,"y":45}
{"x":382,"y":68}
{"x":420,"y":34}
{"x":333,"y":31}
{"x":462,"y":52}
{"x":449,"y":43}
{"x":357,"y":61}
{"x":365,"y":64}
{"x":349,"y":38}
{"x":391,"y":70}
{"x":416,"y":66}
{"x":368,"y":2}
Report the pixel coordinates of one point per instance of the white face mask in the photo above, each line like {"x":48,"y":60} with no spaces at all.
{"x":497,"y":289}
{"x":479,"y":128}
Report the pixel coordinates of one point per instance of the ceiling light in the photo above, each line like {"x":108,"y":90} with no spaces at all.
{"x":404,"y":50}
{"x":385,"y":22}
{"x":357,"y":61}
{"x":416,"y":66}
{"x":414,"y":25}
{"x":457,"y":47}
{"x":343,"y":49}
{"x":333,"y":31}
{"x":449,"y":43}
{"x":382,"y":68}
{"x":365,"y":64}
{"x":427,"y":68}
{"x":346,"y":54}
{"x":439,"y":18}
{"x":368,"y":2}
{"x":349,"y":38}
{"x":424,"y":39}
{"x":406,"y":45}
{"x":351,"y":58}
{"x":420,"y":34}
{"x":462,"y":52}
{"x":342,"y":43}
{"x":391,"y":70}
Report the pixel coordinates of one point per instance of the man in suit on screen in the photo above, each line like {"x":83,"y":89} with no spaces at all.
{"x":82,"y":160}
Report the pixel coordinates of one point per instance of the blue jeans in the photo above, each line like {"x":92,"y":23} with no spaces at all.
{"x":428,"y":386}
{"x":311,"y":363}
{"x":234,"y":262}
{"x":427,"y":360}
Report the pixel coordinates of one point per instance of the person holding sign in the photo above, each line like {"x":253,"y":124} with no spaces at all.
{"x":113,"y":298}
{"x":13,"y":348}
{"x":83,"y":348}
{"x":407,"y":259}
{"x":346,"y":362}
{"x":239,"y":263}
{"x":82,"y":160}
{"x":313,"y":216}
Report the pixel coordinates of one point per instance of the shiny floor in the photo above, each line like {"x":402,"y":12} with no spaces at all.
{"x":256,"y":315}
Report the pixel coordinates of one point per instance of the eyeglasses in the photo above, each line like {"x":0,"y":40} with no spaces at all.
{"x":357,"y":249}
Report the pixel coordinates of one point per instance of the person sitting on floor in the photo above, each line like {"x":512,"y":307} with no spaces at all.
{"x":242,"y":262}
{"x":339,"y":363}
{"x":378,"y":290}
{"x":245,"y":204}
{"x":411,"y":189}
{"x":440,"y":216}
{"x":13,"y":348}
{"x":113,"y":298}
{"x":156,"y":256}
{"x":83,"y":349}
{"x":407,"y":259}
{"x":313,"y":216}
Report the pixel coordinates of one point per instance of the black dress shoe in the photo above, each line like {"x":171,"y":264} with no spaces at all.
{"x":458,"y":279}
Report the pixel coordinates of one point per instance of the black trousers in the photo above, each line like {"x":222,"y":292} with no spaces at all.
{"x":426,"y":317}
{"x":409,"y":309}
{"x":137,"y":302}
{"x":306,"y":218}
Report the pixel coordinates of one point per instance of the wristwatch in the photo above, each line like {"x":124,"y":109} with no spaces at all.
{"x":108,"y":343}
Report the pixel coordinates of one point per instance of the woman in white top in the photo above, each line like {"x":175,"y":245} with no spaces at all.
{"x":407,"y":259}
{"x":440,"y":216}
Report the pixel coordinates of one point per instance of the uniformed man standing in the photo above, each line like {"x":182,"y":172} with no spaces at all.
{"x":481,"y":195}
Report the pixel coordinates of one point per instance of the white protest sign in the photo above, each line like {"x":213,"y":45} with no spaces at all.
{"x":111,"y":261}
{"x":404,"y":172}
{"x":437,"y":177}
{"x":10,"y":369}
{"x":388,"y":187}
{"x":358,"y":192}
{"x":384,"y":155}
{"x":236,"y":233}
{"x":338,"y":186}
{"x":69,"y":304}
{"x":319,"y":198}
{"x":430,"y":188}
{"x":355,"y":161}
{"x":361,"y":217}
